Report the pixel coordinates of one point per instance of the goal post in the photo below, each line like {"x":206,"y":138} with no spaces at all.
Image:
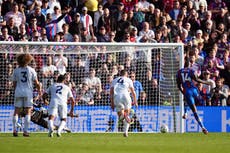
{"x":89,"y":68}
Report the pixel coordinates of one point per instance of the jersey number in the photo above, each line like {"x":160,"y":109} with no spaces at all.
{"x":59,"y":88}
{"x":120,"y":80}
{"x":185,"y":77}
{"x":24,"y":76}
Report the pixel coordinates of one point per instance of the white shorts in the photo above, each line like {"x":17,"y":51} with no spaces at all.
{"x":60,"y":110}
{"x":122,"y":102}
{"x":23,"y":102}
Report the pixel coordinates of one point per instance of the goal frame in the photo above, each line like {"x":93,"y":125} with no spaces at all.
{"x":155,"y":45}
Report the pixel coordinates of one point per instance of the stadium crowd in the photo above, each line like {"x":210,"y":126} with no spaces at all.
{"x":203,"y":26}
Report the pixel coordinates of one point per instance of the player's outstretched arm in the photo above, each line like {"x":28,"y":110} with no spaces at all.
{"x":196,"y":78}
{"x":72,"y":106}
{"x":134,"y":97}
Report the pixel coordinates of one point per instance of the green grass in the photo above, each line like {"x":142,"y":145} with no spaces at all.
{"x":116,"y":143}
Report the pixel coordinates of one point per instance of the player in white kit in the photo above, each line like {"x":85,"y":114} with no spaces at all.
{"x":59,"y":95}
{"x":24,"y":77}
{"x":121,"y":100}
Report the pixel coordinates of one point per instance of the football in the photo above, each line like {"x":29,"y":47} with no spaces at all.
{"x":164,"y":128}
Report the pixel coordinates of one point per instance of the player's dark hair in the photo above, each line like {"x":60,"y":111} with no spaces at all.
{"x":61,"y":78}
{"x":123,"y":72}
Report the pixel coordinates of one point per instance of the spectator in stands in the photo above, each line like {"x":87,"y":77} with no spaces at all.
{"x":219,"y":94}
{"x":12,"y":29}
{"x":61,"y":62}
{"x":87,"y":21}
{"x":122,"y":27}
{"x":139,"y":16}
{"x":201,"y":10}
{"x":129,"y":64}
{"x":225,"y":74}
{"x":167,"y":5}
{"x":174,"y":12}
{"x":201,"y":51}
{"x":84,"y":95}
{"x":215,"y":60}
{"x":117,"y":11}
{"x":52,"y":4}
{"x":166,"y":34}
{"x":215,"y":7}
{"x":106,"y":87}
{"x":198,"y":4}
{"x":131,"y":19}
{"x":102,"y":73}
{"x":194,"y":65}
{"x":18,"y":17}
{"x":146,"y":31}
{"x":97,"y":16}
{"x":143,"y":98}
{"x":55,"y":16}
{"x":204,"y":98}
{"x":48,"y":72}
{"x":67,"y":36}
{"x":75,"y":26}
{"x":77,"y":70}
{"x":133,"y":34}
{"x":44,"y":7}
{"x":198,"y":37}
{"x":207,"y":88}
{"x":40,"y":18}
{"x":222,"y":46}
{"x":115,"y":71}
{"x":93,"y":81}
{"x":112,"y":35}
{"x":6,"y":92}
{"x":7,"y":6}
{"x":43,"y":35}
{"x":222,"y":17}
{"x":137,"y":84}
{"x":35,"y":36}
{"x":226,"y":58}
{"x":143,"y":5}
{"x":101,"y":35}
{"x":214,"y":72}
{"x":157,"y":19}
{"x":5,"y":36}
{"x":220,"y":29}
{"x":207,"y":20}
{"x":150,"y":16}
{"x":110,"y":61}
{"x":33,"y":27}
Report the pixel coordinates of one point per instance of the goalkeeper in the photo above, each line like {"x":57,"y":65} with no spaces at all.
{"x":39,"y":116}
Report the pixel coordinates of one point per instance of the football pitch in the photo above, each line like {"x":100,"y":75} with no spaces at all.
{"x":116,"y":143}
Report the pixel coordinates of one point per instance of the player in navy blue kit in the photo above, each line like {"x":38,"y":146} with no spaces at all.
{"x":185,"y":78}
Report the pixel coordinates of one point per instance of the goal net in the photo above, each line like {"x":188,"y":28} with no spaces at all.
{"x":89,"y":69}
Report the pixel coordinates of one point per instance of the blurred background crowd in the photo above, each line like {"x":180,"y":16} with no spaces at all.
{"x":203,"y":26}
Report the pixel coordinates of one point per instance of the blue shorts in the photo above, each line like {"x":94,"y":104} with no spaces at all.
{"x":190,"y":95}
